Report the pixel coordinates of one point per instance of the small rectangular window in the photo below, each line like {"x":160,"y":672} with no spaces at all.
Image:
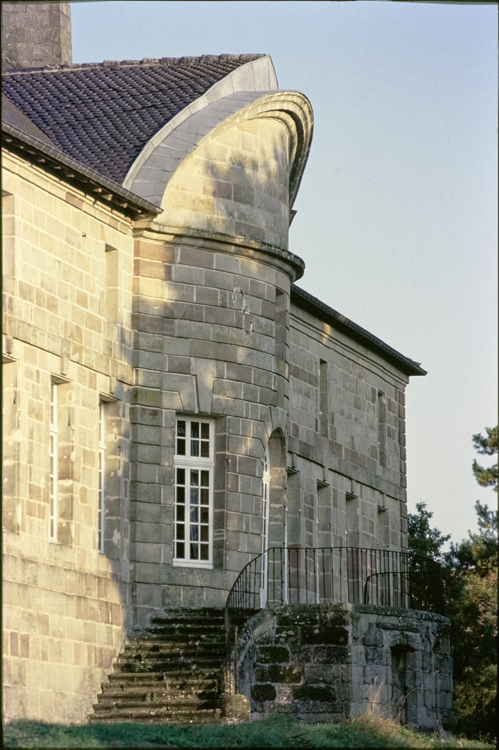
{"x":382,"y":428}
{"x":53,"y":462}
{"x":382,"y":529}
{"x":193,"y":492}
{"x":102,"y":476}
{"x":352,"y":519}
{"x":323,"y":398}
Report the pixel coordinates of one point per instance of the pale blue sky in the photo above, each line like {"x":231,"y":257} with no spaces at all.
{"x":397,"y":211}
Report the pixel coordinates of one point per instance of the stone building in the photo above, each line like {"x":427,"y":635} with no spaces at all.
{"x":174,"y":405}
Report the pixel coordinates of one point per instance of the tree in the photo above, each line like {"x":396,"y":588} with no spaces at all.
{"x":422,"y":539}
{"x":470,"y":574}
{"x":471,"y":594}
{"x":487,"y":446}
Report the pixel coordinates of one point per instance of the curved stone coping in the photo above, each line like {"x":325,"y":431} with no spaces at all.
{"x":415,"y":614}
{"x":255,"y":76}
{"x":290,"y":107}
{"x":225,"y":242}
{"x":158,"y":166}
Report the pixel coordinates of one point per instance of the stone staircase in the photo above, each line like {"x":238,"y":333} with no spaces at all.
{"x":169,"y":673}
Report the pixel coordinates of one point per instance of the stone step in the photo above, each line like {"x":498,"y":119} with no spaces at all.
{"x":176,"y":682}
{"x":180,"y":704}
{"x":187,"y":630}
{"x":163,"y":662}
{"x":160,"y":718}
{"x":178,"y":641}
{"x":161,"y":693}
{"x":205,"y":614}
{"x":155,"y":677}
{"x":186,"y":652}
{"x":155,"y":645}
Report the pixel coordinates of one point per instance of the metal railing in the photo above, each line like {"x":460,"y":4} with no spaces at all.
{"x":329,"y":575}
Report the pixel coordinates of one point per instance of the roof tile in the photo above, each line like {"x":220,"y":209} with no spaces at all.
{"x":102,"y":114}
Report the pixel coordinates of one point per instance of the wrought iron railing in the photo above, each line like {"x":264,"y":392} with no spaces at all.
{"x":329,"y":575}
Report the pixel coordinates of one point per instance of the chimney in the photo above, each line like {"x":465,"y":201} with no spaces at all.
{"x":36,"y":34}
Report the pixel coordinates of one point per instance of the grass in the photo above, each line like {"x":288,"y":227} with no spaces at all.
{"x":365,"y":731}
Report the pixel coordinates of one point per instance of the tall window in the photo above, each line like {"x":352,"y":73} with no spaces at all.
{"x":102,"y":475}
{"x":323,"y":398}
{"x":193,"y":492}
{"x":53,"y":469}
{"x":265,"y":528}
{"x":382,"y":428}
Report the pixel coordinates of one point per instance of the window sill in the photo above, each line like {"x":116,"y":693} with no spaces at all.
{"x":192,"y":564}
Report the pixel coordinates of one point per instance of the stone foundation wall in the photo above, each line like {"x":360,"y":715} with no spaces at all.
{"x":326,"y":663}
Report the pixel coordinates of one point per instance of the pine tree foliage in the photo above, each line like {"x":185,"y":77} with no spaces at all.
{"x":471,"y":594}
{"x":422,"y":539}
{"x":470,"y":572}
{"x":486,"y":476}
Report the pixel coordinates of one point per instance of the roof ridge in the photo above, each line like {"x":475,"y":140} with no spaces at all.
{"x":146,"y":61}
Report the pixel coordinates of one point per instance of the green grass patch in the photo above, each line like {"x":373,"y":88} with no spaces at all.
{"x":365,"y":731}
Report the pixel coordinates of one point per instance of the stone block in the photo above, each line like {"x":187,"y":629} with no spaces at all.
{"x":272,"y":655}
{"x":263,"y":692}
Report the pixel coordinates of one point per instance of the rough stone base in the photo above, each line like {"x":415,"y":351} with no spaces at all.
{"x":326,"y":663}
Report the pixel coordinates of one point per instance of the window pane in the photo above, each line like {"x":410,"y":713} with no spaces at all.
{"x":205,"y":431}
{"x":180,"y":550}
{"x":194,"y":478}
{"x":205,"y":478}
{"x":180,"y":476}
{"x":205,"y":515}
{"x":194,"y":534}
{"x":204,"y":552}
{"x":194,"y":552}
{"x":204,"y":534}
{"x":195,"y":430}
{"x":194,"y":496}
{"x":194,"y":517}
{"x":180,"y":531}
{"x":181,"y":435}
{"x":205,"y":497}
{"x":194,"y":448}
{"x":205,"y":450}
{"x":180,"y":494}
{"x":180,"y":512}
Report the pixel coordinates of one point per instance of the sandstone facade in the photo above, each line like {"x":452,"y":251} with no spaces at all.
{"x":173,"y":403}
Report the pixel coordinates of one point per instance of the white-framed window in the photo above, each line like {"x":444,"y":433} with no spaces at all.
{"x":194,"y":459}
{"x":265,"y":528}
{"x":102,"y":477}
{"x":53,"y":468}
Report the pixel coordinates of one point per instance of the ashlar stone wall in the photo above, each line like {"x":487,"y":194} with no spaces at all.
{"x":346,"y":441}
{"x":204,"y":315}
{"x":67,"y":296}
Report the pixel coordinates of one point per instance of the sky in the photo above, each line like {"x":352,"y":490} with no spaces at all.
{"x":397,"y":210}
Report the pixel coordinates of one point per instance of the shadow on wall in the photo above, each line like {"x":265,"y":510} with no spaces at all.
{"x":236,"y":184}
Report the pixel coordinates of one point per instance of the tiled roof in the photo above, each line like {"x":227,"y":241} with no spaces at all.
{"x":103,"y":114}
{"x":13,"y":116}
